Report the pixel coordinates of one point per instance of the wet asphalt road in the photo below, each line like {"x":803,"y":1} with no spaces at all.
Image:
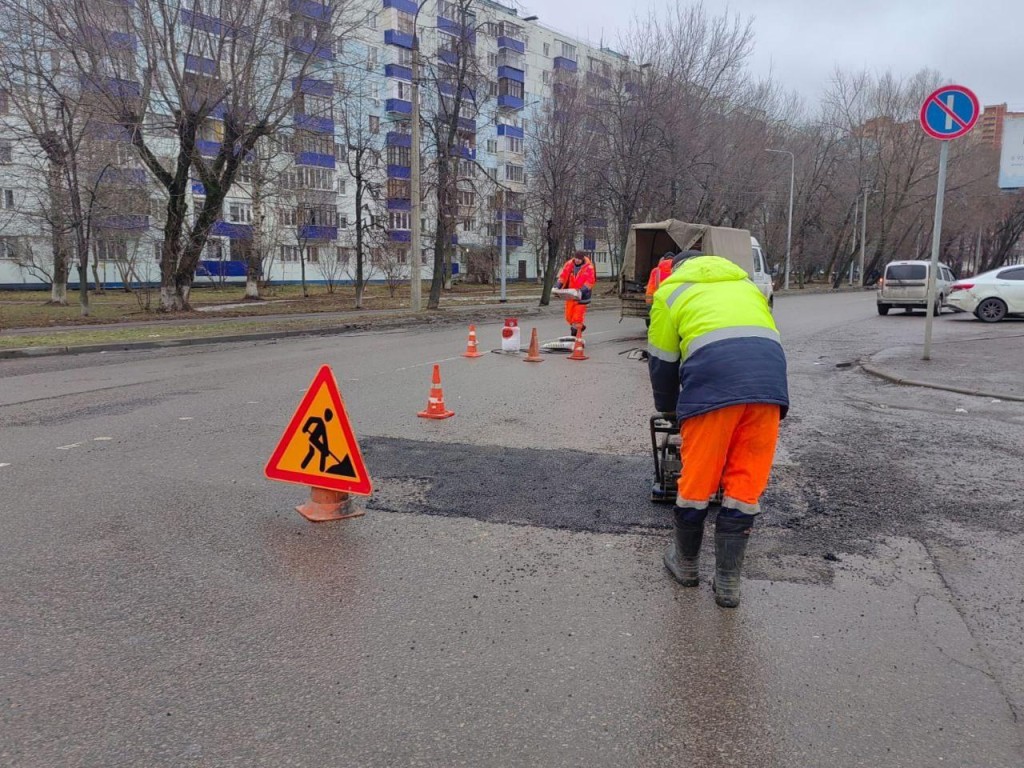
{"x":503,"y":601}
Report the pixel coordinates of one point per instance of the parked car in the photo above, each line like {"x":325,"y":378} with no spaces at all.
{"x":991,"y":296}
{"x":904,"y":285}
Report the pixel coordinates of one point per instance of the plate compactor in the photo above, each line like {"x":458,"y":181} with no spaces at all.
{"x":668,"y":462}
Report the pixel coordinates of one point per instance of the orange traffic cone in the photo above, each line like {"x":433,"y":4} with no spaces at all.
{"x":325,"y":505}
{"x":577,"y":348}
{"x":533,"y":355}
{"x":435,"y":403}
{"x":471,"y":347}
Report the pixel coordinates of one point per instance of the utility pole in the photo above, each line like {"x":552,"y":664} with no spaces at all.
{"x":789,"y":228}
{"x":415,"y":283}
{"x":504,"y":204}
{"x":863,"y":233}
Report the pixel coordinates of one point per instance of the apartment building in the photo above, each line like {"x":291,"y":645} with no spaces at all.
{"x":296,"y":203}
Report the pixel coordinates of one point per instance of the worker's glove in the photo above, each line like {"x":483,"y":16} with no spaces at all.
{"x":559,"y":286}
{"x":584,"y":294}
{"x":670,"y":416}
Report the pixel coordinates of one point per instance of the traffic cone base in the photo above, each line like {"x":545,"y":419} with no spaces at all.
{"x":325,"y":505}
{"x":472,"y":350}
{"x":435,"y":403}
{"x":577,"y":349}
{"x":533,"y":355}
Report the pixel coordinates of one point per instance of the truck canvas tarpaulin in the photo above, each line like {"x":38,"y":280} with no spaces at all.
{"x":647,"y":243}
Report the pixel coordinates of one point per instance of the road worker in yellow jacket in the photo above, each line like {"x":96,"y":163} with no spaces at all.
{"x":716,"y":362}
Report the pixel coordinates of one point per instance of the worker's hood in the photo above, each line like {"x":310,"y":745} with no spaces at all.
{"x":708,"y":269}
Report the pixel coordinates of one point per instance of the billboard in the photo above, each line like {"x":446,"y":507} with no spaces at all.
{"x":1011,"y":158}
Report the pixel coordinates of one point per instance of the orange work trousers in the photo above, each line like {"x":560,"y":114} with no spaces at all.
{"x":731,"y":448}
{"x":575,"y":313}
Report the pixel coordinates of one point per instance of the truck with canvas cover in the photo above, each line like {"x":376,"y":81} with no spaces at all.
{"x":647,"y":243}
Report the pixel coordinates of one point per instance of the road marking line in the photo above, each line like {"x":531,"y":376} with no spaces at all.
{"x":99,"y":439}
{"x":184,"y":418}
{"x":67,"y":447}
{"x":4,"y":465}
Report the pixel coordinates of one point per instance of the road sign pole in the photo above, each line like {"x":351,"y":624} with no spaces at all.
{"x":940,"y":197}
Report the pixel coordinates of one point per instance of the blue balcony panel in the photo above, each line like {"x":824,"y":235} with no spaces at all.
{"x":512,"y":43}
{"x":467,"y":124}
{"x":124,"y":89}
{"x":208,"y":148}
{"x":312,"y":86}
{"x":467,"y":153}
{"x":110,"y":132}
{"x":399,"y":172}
{"x":510,"y":131}
{"x":124,"y":222}
{"x":449,"y":27}
{"x":311,"y":10}
{"x":400,"y":236}
{"x":589,"y":245}
{"x":232,"y":231}
{"x":398,"y":72}
{"x":314,"y":123}
{"x":203,"y":22}
{"x":217,"y":110}
{"x":509,"y":215}
{"x":455,"y":240}
{"x":510,"y":242}
{"x":395,"y":139}
{"x":563,"y":64}
{"x":224,"y":268}
{"x":597,"y":223}
{"x":448,"y":57}
{"x":305,"y":45}
{"x":201,"y":65}
{"x":317,"y":232}
{"x":399,"y":204}
{"x":399,"y":106}
{"x":510,"y":102}
{"x":511,"y":73}
{"x":319,"y":159}
{"x":198,"y":188}
{"x":401,"y":39}
{"x":405,"y":6}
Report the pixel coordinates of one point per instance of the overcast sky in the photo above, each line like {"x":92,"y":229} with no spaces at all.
{"x":977,"y":43}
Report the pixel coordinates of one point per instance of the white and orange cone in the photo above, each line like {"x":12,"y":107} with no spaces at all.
{"x":435,"y":403}
{"x":472,"y":350}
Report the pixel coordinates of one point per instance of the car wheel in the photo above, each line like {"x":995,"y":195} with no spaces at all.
{"x":771,"y":304}
{"x":938,"y":307}
{"x":883,"y":309}
{"x":991,"y":310}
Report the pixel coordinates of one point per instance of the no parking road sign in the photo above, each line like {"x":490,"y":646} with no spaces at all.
{"x":949,"y":112}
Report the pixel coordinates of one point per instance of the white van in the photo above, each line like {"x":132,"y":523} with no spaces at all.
{"x":904,"y":285}
{"x":761,"y":276}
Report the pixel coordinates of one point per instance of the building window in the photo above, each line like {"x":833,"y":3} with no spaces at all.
{"x":318,"y":215}
{"x":401,"y":90}
{"x":468,"y":224}
{"x":401,"y":156}
{"x":509,"y":87}
{"x":492,"y":59}
{"x":6,"y":152}
{"x":546,"y":77}
{"x":371,"y":20}
{"x":6,"y":199}
{"x":374,"y":124}
{"x":514,"y":145}
{"x":345,"y":255}
{"x":342,"y":186}
{"x":406,"y":23}
{"x":8,"y":248}
{"x":492,"y":145}
{"x":343,"y":222}
{"x":399,"y":220}
{"x":111,"y":250}
{"x":399,"y":189}
{"x":372,"y":55}
{"x":288,"y":217}
{"x":289,"y":253}
{"x":313,"y":254}
{"x":547,"y":50}
{"x":240,"y":213}
{"x":567,"y":51}
{"x":514,"y":173}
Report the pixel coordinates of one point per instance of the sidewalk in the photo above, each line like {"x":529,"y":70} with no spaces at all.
{"x":156,"y":334}
{"x":991,"y":366}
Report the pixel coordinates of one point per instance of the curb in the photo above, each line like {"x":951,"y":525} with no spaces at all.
{"x":449,"y":314}
{"x":894,"y":379}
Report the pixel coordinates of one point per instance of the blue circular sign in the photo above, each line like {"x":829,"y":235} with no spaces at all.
{"x":950,"y":112}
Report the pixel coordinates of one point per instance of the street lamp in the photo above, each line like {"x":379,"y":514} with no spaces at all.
{"x":789,"y":229}
{"x":415,"y":282}
{"x":864,"y":231}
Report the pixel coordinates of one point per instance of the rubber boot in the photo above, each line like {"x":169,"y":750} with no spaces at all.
{"x":683,"y":554}
{"x":731,"y":537}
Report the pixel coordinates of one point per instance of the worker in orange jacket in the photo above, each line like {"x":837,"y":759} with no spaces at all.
{"x":660,"y":272}
{"x":578,"y":273}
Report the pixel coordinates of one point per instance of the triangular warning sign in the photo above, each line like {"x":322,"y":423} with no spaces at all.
{"x":318,"y":447}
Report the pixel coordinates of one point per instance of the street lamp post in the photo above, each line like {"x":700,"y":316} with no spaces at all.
{"x":415,"y":282}
{"x":504,"y":247}
{"x":789,"y":228}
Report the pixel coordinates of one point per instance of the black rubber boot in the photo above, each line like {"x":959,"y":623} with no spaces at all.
{"x":731,"y":537}
{"x":683,"y":554}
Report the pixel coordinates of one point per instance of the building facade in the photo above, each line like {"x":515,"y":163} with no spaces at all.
{"x":349,"y":138}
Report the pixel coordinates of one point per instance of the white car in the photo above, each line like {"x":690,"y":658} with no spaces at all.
{"x":761,"y":276}
{"x":991,"y":296}
{"x":905,"y":286}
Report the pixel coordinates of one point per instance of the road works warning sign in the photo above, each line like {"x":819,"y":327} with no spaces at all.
{"x":318,"y":447}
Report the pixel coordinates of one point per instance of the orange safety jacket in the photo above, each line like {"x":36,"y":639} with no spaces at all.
{"x":581,"y":278}
{"x":659,"y":273}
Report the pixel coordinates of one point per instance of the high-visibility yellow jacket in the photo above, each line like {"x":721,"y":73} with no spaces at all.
{"x":713,"y":342}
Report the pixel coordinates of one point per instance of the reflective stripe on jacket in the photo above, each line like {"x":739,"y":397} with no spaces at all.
{"x":712,"y":341}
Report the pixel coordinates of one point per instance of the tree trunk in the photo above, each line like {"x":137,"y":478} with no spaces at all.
{"x":360,"y":282}
{"x":254,"y":258}
{"x":550,"y":272}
